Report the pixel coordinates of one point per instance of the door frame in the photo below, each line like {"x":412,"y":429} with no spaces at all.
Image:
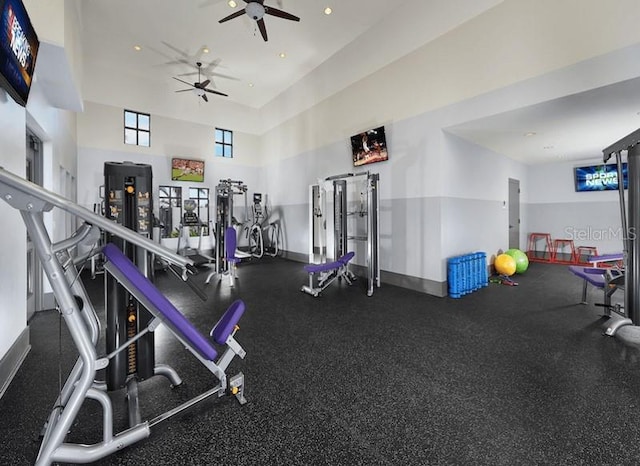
{"x":514,"y":209}
{"x":33,"y":172}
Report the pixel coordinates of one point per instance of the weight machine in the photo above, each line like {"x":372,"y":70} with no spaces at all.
{"x":128,"y":202}
{"x":630,"y":217}
{"x":225,"y":192}
{"x":353,"y":200}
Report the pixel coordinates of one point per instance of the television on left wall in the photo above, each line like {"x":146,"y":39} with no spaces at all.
{"x":19,"y":46}
{"x":187,"y":170}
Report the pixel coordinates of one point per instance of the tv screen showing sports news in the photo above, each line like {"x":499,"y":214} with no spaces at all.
{"x":369,"y":147}
{"x":599,"y":177}
{"x":18,"y":50}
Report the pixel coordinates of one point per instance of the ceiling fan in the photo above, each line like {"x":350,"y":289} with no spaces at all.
{"x":199,"y":88}
{"x":256,"y":9}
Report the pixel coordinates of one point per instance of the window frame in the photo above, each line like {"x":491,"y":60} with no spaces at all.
{"x":199,"y":207}
{"x":174,"y":199}
{"x":226,"y":147}
{"x":137,"y":129}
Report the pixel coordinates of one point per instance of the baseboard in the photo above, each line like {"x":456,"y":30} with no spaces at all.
{"x":12,"y":361}
{"x":295,"y":256}
{"x":421,"y":285}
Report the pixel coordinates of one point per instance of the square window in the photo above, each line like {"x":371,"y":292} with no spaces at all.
{"x":143,"y":121}
{"x":143,"y":138}
{"x":129,"y":119}
{"x":130,"y":136}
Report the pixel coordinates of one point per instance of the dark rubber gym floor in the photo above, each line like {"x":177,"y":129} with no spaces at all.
{"x":503,"y":376}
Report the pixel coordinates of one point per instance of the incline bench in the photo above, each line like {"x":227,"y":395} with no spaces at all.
{"x":118,"y":265}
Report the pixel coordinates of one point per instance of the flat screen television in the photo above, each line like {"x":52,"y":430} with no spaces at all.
{"x":599,"y":177}
{"x":19,"y":46}
{"x":187,"y":170}
{"x":369,"y":147}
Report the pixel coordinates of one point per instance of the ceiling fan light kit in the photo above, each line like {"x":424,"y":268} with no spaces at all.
{"x":199,"y":88}
{"x":256,"y":9}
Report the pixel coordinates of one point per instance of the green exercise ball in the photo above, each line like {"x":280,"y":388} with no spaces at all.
{"x":522,"y":261}
{"x":505,"y":265}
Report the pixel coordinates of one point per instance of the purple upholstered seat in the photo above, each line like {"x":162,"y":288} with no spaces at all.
{"x":327,"y":266}
{"x":169,"y":314}
{"x":227,"y":322}
{"x":230,"y":244}
{"x":593,"y":275}
{"x":606,"y":258}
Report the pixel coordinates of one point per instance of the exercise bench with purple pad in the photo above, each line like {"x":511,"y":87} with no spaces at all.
{"x":322,"y":275}
{"x":118,"y":265}
{"x":609,"y":280}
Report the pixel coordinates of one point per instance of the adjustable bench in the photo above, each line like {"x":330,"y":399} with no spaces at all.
{"x":119,"y":265}
{"x":594,"y":276}
{"x":322,"y":275}
{"x":609,"y":280}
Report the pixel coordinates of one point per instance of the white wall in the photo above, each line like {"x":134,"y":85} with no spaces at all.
{"x":13,"y":290}
{"x":57,"y":129}
{"x":101,"y":139}
{"x":588,"y":218}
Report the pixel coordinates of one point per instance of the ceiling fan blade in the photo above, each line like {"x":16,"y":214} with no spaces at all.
{"x":263,"y":29}
{"x":216,"y":92}
{"x":204,"y":84}
{"x":185,"y":90}
{"x":280,"y":14}
{"x":204,"y":97}
{"x":183,"y":81}
{"x":232,"y":15}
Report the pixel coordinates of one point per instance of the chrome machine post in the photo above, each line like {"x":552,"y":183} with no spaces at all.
{"x":632,"y":219}
{"x":373,"y":233}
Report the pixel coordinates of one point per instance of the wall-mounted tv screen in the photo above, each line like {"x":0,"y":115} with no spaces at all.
{"x":599,"y":177}
{"x":18,"y":50}
{"x":187,"y":170}
{"x":369,"y":147}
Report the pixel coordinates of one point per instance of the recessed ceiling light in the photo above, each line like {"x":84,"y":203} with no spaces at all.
{"x":282,"y":55}
{"x":205,"y":50}
{"x":250,"y":84}
{"x":529,"y":134}
{"x":137,"y":48}
{"x":328,"y":10}
{"x":232,"y":3}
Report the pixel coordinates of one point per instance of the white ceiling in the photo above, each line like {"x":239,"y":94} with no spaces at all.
{"x":173,"y":34}
{"x":360,"y":37}
{"x":573,"y":127}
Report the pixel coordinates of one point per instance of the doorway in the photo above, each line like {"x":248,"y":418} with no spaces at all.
{"x":514,"y":214}
{"x":34,"y":270}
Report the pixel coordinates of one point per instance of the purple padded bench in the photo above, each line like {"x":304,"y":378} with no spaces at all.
{"x":326,"y":273}
{"x":328,"y":266}
{"x":597,"y":277}
{"x":156,"y":303}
